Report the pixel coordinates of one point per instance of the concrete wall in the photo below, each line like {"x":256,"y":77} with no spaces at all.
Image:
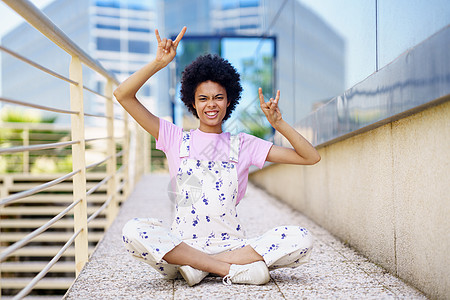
{"x":386,"y":192}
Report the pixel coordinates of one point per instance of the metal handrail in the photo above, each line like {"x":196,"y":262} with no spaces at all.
{"x":95,"y":116}
{"x":102,"y":138}
{"x":36,"y":232}
{"x":97,"y":139}
{"x":98,"y":185}
{"x":121,"y":186}
{"x":120,"y":154}
{"x":36,"y":65}
{"x":97,"y":163}
{"x":37,"y":147}
{"x":119,"y":170}
{"x":81,"y":219}
{"x":17,"y":102}
{"x":44,"y":271}
{"x":32,"y":191}
{"x":98,"y":211}
{"x":43,"y":24}
{"x":95,"y":92}
{"x":37,"y":126}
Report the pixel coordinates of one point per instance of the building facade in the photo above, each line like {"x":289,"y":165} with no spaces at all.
{"x":117,"y":33}
{"x":309,"y":64}
{"x":310,"y":55}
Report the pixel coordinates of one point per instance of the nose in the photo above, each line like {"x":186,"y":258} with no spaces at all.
{"x":211,"y":103}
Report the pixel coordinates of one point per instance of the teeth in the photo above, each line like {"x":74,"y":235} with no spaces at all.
{"x":211,"y":113}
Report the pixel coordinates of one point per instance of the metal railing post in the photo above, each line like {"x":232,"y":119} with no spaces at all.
{"x":126,"y":155}
{"x":147,"y":151}
{"x":140,"y":152}
{"x":137,"y":165}
{"x":111,"y":164}
{"x":79,"y":163}
{"x":26,"y":154}
{"x":34,"y":17}
{"x":3,"y":193}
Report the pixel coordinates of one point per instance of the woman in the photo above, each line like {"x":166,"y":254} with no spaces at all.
{"x":206,"y":235}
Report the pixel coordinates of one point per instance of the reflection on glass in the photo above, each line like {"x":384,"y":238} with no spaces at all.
{"x":310,"y":57}
{"x":253,"y":58}
{"x":402,"y":24}
{"x":327,"y":49}
{"x":411,"y":83}
{"x":355,"y":22}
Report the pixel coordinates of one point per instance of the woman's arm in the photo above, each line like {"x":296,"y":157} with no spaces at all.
{"x":125,"y":93}
{"x":303,"y":153}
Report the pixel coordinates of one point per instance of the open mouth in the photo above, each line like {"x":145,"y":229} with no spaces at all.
{"x":211,"y":114}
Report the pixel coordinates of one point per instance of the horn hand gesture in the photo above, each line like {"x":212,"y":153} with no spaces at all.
{"x":167,"y":49}
{"x":270,"y":109}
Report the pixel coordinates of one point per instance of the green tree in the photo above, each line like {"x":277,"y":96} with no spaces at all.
{"x":259,"y":72}
{"x":41,"y":161}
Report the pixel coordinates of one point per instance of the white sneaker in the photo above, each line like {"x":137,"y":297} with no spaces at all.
{"x":254,"y":273}
{"x":191,"y":275}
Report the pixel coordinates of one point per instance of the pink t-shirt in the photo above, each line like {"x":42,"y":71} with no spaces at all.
{"x":212,"y":146}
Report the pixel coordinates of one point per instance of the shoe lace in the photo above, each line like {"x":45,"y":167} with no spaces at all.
{"x":227,"y":280}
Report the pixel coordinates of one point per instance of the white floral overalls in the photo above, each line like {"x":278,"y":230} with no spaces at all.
{"x":206,"y":219}
{"x":207,"y":191}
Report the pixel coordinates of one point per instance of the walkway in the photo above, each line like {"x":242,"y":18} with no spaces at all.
{"x":335,"y":271}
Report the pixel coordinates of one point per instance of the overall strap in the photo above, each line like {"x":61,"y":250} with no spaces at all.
{"x":235,"y":143}
{"x":184,"y":147}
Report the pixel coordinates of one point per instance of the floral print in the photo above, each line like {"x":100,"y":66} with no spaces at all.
{"x":206,"y":219}
{"x":217,"y":210}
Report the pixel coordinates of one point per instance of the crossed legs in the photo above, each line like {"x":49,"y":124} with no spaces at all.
{"x":147,"y":240}
{"x":219,"y":264}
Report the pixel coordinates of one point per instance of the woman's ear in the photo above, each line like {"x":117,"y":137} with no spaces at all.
{"x":228,"y":104}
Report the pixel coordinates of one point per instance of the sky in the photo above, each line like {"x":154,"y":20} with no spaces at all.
{"x":10,"y":19}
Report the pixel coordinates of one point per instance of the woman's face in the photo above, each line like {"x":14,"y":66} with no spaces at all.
{"x":211,"y":104}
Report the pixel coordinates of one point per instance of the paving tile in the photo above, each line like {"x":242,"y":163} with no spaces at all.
{"x":323,"y":252}
{"x":341,"y":293}
{"x":334,"y":272}
{"x":212,"y":288}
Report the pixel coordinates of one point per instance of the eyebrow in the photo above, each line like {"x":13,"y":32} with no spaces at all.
{"x":207,"y":96}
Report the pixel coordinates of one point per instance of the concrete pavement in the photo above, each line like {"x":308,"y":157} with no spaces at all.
{"x":334,"y":272}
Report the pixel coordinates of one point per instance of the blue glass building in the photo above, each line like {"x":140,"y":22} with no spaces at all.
{"x":117,"y":33}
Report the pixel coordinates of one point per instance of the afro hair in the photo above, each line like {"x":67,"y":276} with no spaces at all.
{"x":213,"y":68}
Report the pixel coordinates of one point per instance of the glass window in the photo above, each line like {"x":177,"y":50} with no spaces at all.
{"x":138,"y":29}
{"x":108,"y":44}
{"x":140,"y":4}
{"x":405,"y":23}
{"x":351,"y":22}
{"x":138,"y":47}
{"x":249,"y":26}
{"x":145,"y":90}
{"x":229,"y":4}
{"x":104,"y":26}
{"x":107,"y":3}
{"x":254,"y":60}
{"x":100,"y":86}
{"x":108,"y":16}
{"x":249,"y":3}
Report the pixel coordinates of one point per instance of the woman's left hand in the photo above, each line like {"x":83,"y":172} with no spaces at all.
{"x":270,"y":109}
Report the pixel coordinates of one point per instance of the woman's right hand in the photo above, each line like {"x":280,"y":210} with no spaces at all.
{"x":167,"y":49}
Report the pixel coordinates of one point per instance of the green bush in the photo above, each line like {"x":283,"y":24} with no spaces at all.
{"x":17,"y":115}
{"x":41,"y":161}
